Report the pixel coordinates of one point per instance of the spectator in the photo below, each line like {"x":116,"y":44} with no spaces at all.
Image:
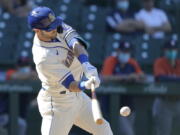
{"x":121,"y":19}
{"x":7,"y":5}
{"x":166,"y":108}
{"x":169,"y":2}
{"x":22,"y":7}
{"x":155,"y":20}
{"x":18,"y":7}
{"x":125,"y":69}
{"x":23,"y":71}
{"x":167,"y":68}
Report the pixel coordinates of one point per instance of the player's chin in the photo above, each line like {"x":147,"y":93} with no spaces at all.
{"x":75,"y":90}
{"x":54,"y":34}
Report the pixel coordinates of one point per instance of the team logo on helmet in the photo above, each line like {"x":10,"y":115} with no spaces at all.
{"x":34,"y":13}
{"x":51,"y":17}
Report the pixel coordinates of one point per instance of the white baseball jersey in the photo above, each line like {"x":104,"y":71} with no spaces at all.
{"x":55,"y":60}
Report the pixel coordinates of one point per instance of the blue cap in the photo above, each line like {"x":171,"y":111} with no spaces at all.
{"x":125,"y":46}
{"x":43,"y":18}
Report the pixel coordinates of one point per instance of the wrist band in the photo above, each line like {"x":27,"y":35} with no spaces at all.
{"x":66,"y":83}
{"x":83,"y":58}
{"x":81,"y":85}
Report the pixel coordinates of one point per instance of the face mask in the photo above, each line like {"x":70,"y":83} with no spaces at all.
{"x":171,"y":54}
{"x":123,"y":57}
{"x":124,"y":5}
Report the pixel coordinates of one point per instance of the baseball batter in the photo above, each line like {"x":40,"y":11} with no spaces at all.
{"x":61,"y":60}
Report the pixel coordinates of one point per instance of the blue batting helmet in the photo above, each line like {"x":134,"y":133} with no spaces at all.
{"x":43,"y":18}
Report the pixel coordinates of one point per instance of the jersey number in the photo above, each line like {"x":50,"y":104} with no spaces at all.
{"x":69,"y":59}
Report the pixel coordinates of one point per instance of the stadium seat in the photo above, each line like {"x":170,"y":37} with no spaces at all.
{"x":93,"y":19}
{"x":7,"y":22}
{"x":98,"y":2}
{"x":112,"y":41}
{"x":8,"y":36}
{"x":97,"y":48}
{"x":146,"y":51}
{"x":7,"y":49}
{"x":69,"y":10}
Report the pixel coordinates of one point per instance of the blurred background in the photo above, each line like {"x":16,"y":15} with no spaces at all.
{"x":133,"y":43}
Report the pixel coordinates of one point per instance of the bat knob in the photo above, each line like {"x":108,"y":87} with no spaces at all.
{"x":99,"y":121}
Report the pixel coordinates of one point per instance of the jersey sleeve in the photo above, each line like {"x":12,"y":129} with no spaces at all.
{"x":71,"y":36}
{"x":136,"y":66}
{"x":108,"y":66}
{"x":158,"y":68}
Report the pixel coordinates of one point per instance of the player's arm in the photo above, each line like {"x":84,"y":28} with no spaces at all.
{"x":77,"y":86}
{"x":63,"y":76}
{"x":78,"y":45}
{"x":88,"y":69}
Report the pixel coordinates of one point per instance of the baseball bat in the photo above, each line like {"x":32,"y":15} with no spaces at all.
{"x":97,"y":115}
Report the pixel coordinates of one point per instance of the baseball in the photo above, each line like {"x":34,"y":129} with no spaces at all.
{"x":125,"y":111}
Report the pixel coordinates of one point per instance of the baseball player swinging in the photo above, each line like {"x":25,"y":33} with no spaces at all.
{"x":61,"y":59}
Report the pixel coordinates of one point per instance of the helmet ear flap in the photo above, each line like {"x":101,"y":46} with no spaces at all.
{"x":60,"y":29}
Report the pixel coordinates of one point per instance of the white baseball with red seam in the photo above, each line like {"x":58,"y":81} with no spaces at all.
{"x":125,"y":111}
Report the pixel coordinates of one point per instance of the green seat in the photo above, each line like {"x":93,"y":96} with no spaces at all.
{"x":93,"y":19}
{"x":98,"y":2}
{"x":8,"y":23}
{"x":112,"y":42}
{"x":97,"y":48}
{"x":70,"y":11}
{"x":7,"y":49}
{"x":147,"y":51}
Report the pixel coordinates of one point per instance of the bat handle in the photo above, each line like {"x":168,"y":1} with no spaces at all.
{"x":93,"y":93}
{"x":92,"y":87}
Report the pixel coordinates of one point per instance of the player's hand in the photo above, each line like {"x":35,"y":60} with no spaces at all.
{"x":89,"y":70}
{"x":89,"y":82}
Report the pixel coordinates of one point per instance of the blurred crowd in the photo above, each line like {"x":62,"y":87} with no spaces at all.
{"x":121,"y":66}
{"x":18,"y":7}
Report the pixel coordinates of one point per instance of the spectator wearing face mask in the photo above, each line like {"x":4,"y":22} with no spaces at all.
{"x":123,"y":68}
{"x":167,"y":108}
{"x":167,"y":68}
{"x":122,"y":19}
{"x":155,"y":20}
{"x":23,"y":71}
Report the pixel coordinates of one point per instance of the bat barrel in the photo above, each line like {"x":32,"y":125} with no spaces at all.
{"x":97,"y":115}
{"x":96,"y":112}
{"x":99,"y":121}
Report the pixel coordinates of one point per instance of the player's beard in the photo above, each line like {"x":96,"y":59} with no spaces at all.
{"x":51,"y":35}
